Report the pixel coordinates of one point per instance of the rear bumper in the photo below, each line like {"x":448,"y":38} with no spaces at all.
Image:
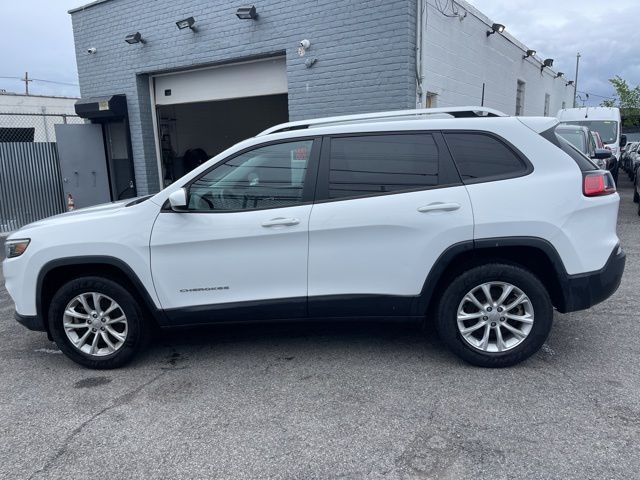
{"x":587,"y":289}
{"x":34,"y":323}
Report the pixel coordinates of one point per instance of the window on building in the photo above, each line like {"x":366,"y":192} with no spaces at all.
{"x":479,"y":156}
{"x":520,"y":98}
{"x":266,"y":177}
{"x":547,"y":101}
{"x":432,"y":100}
{"x":375,"y":164}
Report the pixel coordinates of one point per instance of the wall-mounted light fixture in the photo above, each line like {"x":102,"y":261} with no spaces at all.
{"x":247,"y":13}
{"x":134,"y":38}
{"x":187,"y":23}
{"x":570,"y":82}
{"x":559,"y":74}
{"x":496,"y":28}
{"x":530,"y":53}
{"x":548,"y":62}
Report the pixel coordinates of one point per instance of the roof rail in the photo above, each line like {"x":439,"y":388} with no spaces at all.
{"x":456,"y":112}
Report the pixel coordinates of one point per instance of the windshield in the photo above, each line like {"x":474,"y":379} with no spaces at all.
{"x":574,"y":137}
{"x":607,"y":129}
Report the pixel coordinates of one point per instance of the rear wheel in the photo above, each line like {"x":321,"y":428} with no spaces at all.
{"x":495,"y":315}
{"x":96,"y":322}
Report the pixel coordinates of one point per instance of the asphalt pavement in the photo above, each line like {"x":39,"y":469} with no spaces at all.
{"x":340,"y":400}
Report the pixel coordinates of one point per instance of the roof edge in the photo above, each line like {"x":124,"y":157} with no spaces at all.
{"x":88,"y":5}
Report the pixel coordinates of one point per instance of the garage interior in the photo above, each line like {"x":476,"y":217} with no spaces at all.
{"x":201,"y":113}
{"x":187,"y":130}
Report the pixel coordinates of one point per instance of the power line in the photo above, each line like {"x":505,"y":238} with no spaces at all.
{"x":42,"y":80}
{"x":596,"y":95}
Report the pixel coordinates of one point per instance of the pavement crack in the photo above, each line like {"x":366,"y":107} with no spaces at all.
{"x":117,"y":402}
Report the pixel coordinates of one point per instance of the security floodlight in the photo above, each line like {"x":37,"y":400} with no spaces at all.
{"x":559,"y":74}
{"x":496,"y":28}
{"x":530,"y":53}
{"x":570,"y":82}
{"x":134,"y":38}
{"x":548,"y":62}
{"x":247,"y":13}
{"x":186,"y":23}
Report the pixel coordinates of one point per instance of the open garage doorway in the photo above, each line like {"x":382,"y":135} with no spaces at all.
{"x":202,"y":112}
{"x":194,"y":132}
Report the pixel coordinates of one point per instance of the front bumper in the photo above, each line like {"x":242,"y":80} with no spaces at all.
{"x":34,"y":323}
{"x":588,"y":289}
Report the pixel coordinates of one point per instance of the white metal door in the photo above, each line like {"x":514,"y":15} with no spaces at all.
{"x":244,"y":237}
{"x":238,"y":80}
{"x":384,"y":245}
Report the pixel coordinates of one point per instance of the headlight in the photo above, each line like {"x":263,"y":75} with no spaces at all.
{"x":15,"y":248}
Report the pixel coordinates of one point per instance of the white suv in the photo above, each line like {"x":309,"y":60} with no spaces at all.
{"x":479,"y":221}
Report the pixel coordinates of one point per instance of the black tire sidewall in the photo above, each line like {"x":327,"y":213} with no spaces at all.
{"x":135,"y":321}
{"x":515,"y":275}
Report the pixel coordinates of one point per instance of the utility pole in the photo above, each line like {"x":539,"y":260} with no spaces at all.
{"x":575,"y":85}
{"x":26,"y":82}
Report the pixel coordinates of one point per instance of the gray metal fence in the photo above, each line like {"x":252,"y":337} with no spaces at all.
{"x":30,"y":178}
{"x":30,"y":183}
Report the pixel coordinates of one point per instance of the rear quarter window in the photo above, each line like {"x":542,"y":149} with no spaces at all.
{"x":583,"y":162}
{"x":481,"y":157}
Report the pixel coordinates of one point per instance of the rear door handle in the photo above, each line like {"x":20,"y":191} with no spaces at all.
{"x":439,"y":207}
{"x":281,"y":222}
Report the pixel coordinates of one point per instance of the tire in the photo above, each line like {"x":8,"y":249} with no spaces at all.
{"x":131,"y":333}
{"x":523,"y":281}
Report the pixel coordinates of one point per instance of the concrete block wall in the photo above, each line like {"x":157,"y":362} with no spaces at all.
{"x":459,"y":57}
{"x":365,"y":52}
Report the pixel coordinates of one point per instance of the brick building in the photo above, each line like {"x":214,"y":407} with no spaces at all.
{"x":222,"y":78}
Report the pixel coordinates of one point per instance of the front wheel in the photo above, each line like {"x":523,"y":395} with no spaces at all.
{"x":495,"y":315}
{"x":96,"y":322}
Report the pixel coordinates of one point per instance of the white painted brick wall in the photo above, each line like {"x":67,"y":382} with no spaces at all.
{"x":459,"y":57}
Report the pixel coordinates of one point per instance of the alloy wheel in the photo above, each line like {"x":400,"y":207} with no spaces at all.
{"x":495,"y":317}
{"x":95,"y":324}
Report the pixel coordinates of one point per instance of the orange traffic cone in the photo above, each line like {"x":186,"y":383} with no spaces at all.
{"x":71,"y":205}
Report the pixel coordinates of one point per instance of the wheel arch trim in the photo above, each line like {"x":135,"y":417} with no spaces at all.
{"x":106,"y":260}
{"x":446,"y":259}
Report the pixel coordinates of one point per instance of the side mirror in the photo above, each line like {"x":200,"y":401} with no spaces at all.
{"x":602,"y":154}
{"x":623,"y":140}
{"x":178,"y":200}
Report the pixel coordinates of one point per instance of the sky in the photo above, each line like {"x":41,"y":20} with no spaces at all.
{"x":607,"y":35}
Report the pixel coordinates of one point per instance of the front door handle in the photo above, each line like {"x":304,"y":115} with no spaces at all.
{"x":281,"y":222}
{"x":439,"y":207}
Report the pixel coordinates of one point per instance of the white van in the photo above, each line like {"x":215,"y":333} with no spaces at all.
{"x":604,"y":120}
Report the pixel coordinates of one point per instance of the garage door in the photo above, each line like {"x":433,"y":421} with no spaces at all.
{"x":248,"y":79}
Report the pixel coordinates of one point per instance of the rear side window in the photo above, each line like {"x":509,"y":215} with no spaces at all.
{"x":479,"y":156}
{"x":377,"y":164}
{"x":581,"y":160}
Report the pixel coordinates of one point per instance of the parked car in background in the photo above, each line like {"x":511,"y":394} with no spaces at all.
{"x":611,"y":163}
{"x":633,"y":161}
{"x":581,"y":138}
{"x":625,"y":161}
{"x":477,"y":223}
{"x":604,"y":120}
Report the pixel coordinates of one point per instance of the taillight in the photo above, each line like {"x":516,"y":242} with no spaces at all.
{"x":598,"y":183}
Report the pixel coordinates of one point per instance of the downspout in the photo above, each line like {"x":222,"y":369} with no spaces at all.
{"x":421,"y":5}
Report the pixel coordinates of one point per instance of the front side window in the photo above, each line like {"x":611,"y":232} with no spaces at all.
{"x":266,"y":177}
{"x":378,"y":164}
{"x":480,"y":156}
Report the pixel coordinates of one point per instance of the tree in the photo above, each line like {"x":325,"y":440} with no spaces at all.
{"x":627,"y":100}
